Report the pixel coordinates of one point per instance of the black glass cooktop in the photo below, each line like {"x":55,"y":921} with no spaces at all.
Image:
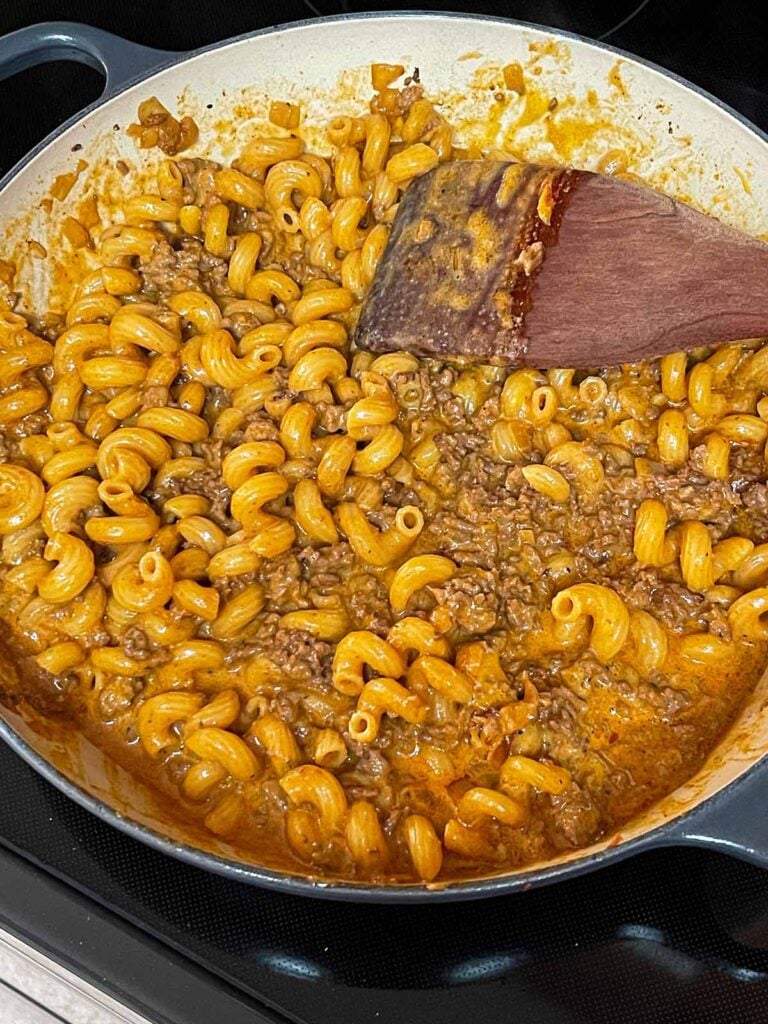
{"x":670,"y":937}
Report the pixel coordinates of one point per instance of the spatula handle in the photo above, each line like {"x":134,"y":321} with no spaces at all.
{"x":635,"y":275}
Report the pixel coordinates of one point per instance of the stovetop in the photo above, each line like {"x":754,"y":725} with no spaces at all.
{"x":669,"y":937}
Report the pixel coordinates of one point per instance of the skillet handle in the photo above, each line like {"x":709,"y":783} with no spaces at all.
{"x":733,"y":821}
{"x":118,"y":59}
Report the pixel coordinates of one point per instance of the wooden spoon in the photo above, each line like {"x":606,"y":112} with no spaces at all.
{"x":538,"y":266}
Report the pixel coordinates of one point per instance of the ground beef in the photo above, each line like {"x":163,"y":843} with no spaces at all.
{"x":370,"y":763}
{"x":136,"y":643}
{"x":283,"y":584}
{"x":263,"y":222}
{"x":197,"y":181}
{"x":369,"y":778}
{"x":755,"y":497}
{"x":301,"y":657}
{"x":472,"y":600}
{"x":323,"y":570}
{"x":747,"y":463}
{"x":395,"y":493}
{"x":170,"y":270}
{"x":518,"y":599}
{"x":116,"y":697}
{"x":459,"y":538}
{"x":208,"y":483}
{"x":213,"y":273}
{"x":572,"y":819}
{"x":455,"y":450}
{"x":669,"y":702}
{"x":239,"y":321}
{"x":286,"y":706}
{"x":330,"y":418}
{"x":332,"y":558}
{"x":189,"y":266}
{"x":560,"y":712}
{"x":426,"y":390}
{"x":32,"y":423}
{"x":259,"y":427}
{"x":716,"y":619}
{"x":687,"y":494}
{"x":673,"y":604}
{"x":155,"y":397}
{"x":213,"y":453}
{"x":368,"y":604}
{"x":229,"y":586}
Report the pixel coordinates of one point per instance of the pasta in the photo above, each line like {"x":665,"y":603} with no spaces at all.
{"x":373,"y":617}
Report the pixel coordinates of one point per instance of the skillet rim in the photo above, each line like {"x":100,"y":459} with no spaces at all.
{"x":671,"y":832}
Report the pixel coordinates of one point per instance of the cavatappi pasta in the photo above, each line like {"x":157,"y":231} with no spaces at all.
{"x":377,"y":618}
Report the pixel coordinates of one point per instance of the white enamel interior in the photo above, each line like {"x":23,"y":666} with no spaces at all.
{"x":677,"y":139}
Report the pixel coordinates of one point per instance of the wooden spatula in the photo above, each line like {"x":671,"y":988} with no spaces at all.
{"x":544,"y":267}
